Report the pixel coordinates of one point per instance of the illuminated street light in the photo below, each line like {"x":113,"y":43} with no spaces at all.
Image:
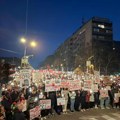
{"x":25,"y":58}
{"x":24,"y":41}
{"x":33,"y":44}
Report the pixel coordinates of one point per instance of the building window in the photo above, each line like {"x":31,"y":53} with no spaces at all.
{"x":101,"y":26}
{"x":94,"y":36}
{"x":95,"y":24}
{"x":108,"y":31}
{"x":101,"y":37}
{"x":96,"y":30}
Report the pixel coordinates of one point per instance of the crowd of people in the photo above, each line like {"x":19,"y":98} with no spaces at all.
{"x":12,"y":97}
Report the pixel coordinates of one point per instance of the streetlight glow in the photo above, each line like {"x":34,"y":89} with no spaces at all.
{"x":33,"y":44}
{"x":27,"y":44}
{"x":23,"y":40}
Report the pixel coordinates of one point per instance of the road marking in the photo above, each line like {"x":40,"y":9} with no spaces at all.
{"x":93,"y":119}
{"x":108,"y":117}
{"x":85,"y":118}
{"x":116,"y":114}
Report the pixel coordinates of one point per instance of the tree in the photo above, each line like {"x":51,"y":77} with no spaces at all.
{"x":6,"y":70}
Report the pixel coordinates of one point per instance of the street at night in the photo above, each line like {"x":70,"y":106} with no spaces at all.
{"x":93,"y":114}
{"x":59,"y":60}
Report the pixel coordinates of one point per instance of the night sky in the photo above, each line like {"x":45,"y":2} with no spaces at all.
{"x":49,"y":22}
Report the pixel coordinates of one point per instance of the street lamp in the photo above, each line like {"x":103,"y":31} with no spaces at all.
{"x":33,"y":44}
{"x":24,"y":41}
{"x":24,"y":61}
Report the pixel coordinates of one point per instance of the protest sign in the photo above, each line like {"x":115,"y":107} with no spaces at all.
{"x":74,"y":85}
{"x":34,"y":113}
{"x":60,"y":101}
{"x":88,"y":85}
{"x":45,"y":104}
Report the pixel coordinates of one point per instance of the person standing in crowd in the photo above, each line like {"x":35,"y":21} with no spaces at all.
{"x":18,"y":114}
{"x":116,"y":100}
{"x":15,"y":94}
{"x":72,"y":96}
{"x":52,"y":97}
{"x":2,"y":113}
{"x":58,"y":106}
{"x":6,"y":103}
{"x":87,"y":99}
{"x":44,"y":112}
{"x":77,"y":100}
{"x":33,"y":98}
{"x":0,"y":91}
{"x":96,"y":96}
{"x":83,"y":99}
{"x":64,"y":94}
{"x":92,"y":100}
{"x":104,"y":98}
{"x":113,"y":96}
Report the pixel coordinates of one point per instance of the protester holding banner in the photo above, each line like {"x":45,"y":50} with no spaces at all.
{"x":44,"y":111}
{"x":64,"y":94}
{"x":112,"y":93}
{"x":116,"y":100}
{"x":104,"y":98}
{"x":72,"y":96}
{"x":59,"y":105}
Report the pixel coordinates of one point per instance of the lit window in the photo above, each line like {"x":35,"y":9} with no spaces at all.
{"x":101,"y":26}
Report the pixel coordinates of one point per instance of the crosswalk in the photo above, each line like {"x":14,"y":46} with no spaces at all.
{"x":111,"y":116}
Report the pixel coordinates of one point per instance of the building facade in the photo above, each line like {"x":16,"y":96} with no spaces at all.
{"x":93,"y":41}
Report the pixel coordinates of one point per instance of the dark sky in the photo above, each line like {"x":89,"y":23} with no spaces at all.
{"x":50,"y":22}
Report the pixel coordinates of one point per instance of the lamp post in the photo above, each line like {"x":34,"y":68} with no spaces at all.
{"x":24,"y":41}
{"x":24,"y":61}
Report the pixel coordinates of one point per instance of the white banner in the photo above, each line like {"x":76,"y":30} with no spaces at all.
{"x":74,"y":85}
{"x":37,"y":75}
{"x":25,"y":77}
{"x":88,"y":85}
{"x":45,"y":104}
{"x":60,"y":101}
{"x":34,"y":113}
{"x":51,"y":85}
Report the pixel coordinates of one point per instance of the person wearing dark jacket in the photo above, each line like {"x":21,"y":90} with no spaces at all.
{"x":15,"y":95}
{"x":6,"y":103}
{"x":83,"y":100}
{"x":77,"y":101}
{"x":52,"y":97}
{"x":18,"y":114}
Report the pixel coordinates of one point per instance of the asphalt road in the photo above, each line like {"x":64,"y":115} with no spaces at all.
{"x":93,"y":114}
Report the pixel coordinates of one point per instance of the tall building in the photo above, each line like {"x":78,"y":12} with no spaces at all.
{"x":93,"y":41}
